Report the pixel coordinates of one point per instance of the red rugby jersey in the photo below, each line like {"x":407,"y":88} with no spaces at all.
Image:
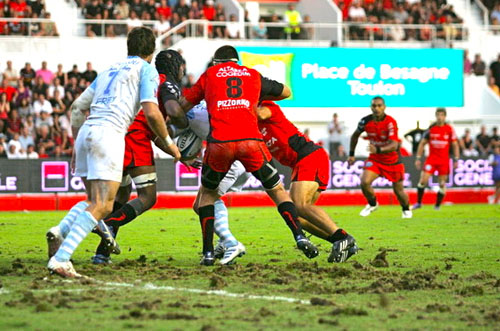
{"x":381,"y":133}
{"x":168,"y":89}
{"x":285,"y":142}
{"x":232,"y":93}
{"x":440,"y":138}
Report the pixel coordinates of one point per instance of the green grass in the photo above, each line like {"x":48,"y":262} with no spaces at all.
{"x":443,"y":272}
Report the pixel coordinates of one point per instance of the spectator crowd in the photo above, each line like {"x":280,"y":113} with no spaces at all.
{"x":478,"y":67}
{"x":24,"y":9}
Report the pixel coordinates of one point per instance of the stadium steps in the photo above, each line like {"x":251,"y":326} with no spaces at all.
{"x":64,"y":13}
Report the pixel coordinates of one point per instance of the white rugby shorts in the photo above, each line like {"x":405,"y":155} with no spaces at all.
{"x":99,"y":153}
{"x":234,"y":180}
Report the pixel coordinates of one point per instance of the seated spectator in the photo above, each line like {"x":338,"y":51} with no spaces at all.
{"x":24,"y":108}
{"x":341,"y":153}
{"x":57,"y":104}
{"x":466,"y":141}
{"x":495,"y":13}
{"x":136,"y":7}
{"x":182,"y":9}
{"x":49,"y":29}
{"x":495,"y":70}
{"x":46,"y":74}
{"x":3,"y":152}
{"x":25,"y":138}
{"x":195,"y":12}
{"x":56,"y":86}
{"x":42,"y":105}
{"x":61,"y":75}
{"x":10,"y":75}
{"x":108,"y":10}
{"x":232,"y":30}
{"x":123,"y":9}
{"x":74,"y":73}
{"x":68,"y":99}
{"x":306,"y":32}
{"x":31,"y":153}
{"x":275,"y":32}
{"x":27,"y":74}
{"x":40,"y":87}
{"x":14,"y":123}
{"x":45,"y":140}
{"x":164,"y":10}
{"x":493,"y":86}
{"x":133,"y":21}
{"x":29,"y":123}
{"x":41,"y":153}
{"x":259,"y":31}
{"x":15,"y":141}
{"x":92,"y":9}
{"x":494,"y":139}
{"x":66,"y":143}
{"x":478,"y":66}
{"x":44,"y":120}
{"x":3,"y":141}
{"x":220,"y":29}
{"x":9,"y":91}
{"x":90,"y":74}
{"x":219,"y":10}
{"x":483,"y":141}
{"x":470,"y":152}
{"x":4,"y":107}
{"x":13,"y":153}
{"x":161,"y":26}
{"x":65,"y":122}
{"x":73,"y":87}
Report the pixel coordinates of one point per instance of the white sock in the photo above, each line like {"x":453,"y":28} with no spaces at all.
{"x":221,"y":225}
{"x":82,"y":226}
{"x":68,"y":220}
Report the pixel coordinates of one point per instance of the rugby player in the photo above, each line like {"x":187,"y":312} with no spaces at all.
{"x":232,"y":93}
{"x":310,"y":176}
{"x":113,"y":98}
{"x":139,"y":165}
{"x":439,"y":136}
{"x":383,"y":161}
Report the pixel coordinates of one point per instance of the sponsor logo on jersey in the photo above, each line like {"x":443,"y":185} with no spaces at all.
{"x":233,"y":103}
{"x":232,"y":72}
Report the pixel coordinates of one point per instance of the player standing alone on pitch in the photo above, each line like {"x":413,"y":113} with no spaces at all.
{"x":232,"y":93}
{"x":439,"y":136}
{"x":383,"y":161}
{"x":113,"y":98}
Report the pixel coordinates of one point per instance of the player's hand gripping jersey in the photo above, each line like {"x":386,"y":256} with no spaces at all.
{"x":440,"y":139}
{"x":232,"y":93}
{"x":381,"y":134}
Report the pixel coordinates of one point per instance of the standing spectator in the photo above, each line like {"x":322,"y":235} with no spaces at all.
{"x":133,"y":21}
{"x":10,"y":91}
{"x":220,"y":29}
{"x":478,"y":66}
{"x":306,"y":32}
{"x":40,"y":87}
{"x":25,"y":138}
{"x":195,"y":11}
{"x":63,"y":77}
{"x":27,"y":74}
{"x":10,"y":75}
{"x":90,"y":74}
{"x":42,"y":105}
{"x":49,"y":29}
{"x":494,"y":138}
{"x":467,"y":63}
{"x":483,"y":141}
{"x":46,"y":74}
{"x":108,"y":10}
{"x":136,"y":7}
{"x":335,"y":134}
{"x":414,"y":136}
{"x":31,"y":153}
{"x":161,"y":26}
{"x":293,"y":19}
{"x":232,"y":28}
{"x":495,"y":68}
{"x":182,"y":9}
{"x":74,"y":73}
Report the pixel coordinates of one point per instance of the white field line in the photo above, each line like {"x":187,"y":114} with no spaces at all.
{"x":151,"y":287}
{"x":4,"y":291}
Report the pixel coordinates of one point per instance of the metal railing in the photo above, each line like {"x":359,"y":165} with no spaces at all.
{"x":27,"y":24}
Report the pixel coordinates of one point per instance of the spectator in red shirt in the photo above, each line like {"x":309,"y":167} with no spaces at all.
{"x":13,"y":123}
{"x":10,"y":91}
{"x":164,"y":10}
{"x":209,"y":10}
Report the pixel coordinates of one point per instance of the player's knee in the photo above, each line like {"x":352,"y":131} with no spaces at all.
{"x":442,"y":189}
{"x":302,"y":207}
{"x":145,"y":181}
{"x":365,"y":184}
{"x":421,"y":185}
{"x":268,"y":176}
{"x":211,"y":179}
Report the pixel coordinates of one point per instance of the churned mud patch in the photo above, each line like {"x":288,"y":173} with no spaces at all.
{"x":380,"y":260}
{"x":321,"y":302}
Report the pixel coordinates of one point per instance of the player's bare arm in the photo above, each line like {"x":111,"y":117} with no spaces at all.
{"x":157,"y":124}
{"x":420,"y":152}
{"x":185,"y":104}
{"x":456,"y":153}
{"x":176,"y":113}
{"x":352,"y":146}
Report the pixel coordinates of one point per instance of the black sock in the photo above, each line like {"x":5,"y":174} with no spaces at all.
{"x":116,"y":206}
{"x":207,"y":216}
{"x":337,"y":235}
{"x":405,"y":207}
{"x":121,"y":217}
{"x":439,"y":199}
{"x":420,"y":194}
{"x":289,"y":213}
{"x":102,"y":248}
{"x":372,"y":201}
